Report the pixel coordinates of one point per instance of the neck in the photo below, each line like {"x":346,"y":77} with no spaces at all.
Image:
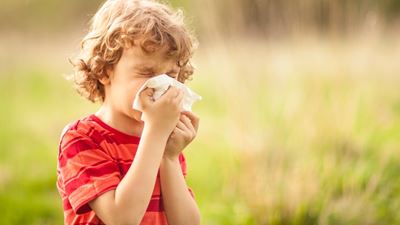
{"x":120,"y":121}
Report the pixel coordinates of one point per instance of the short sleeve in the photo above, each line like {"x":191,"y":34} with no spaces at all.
{"x":182,"y":162}
{"x":87,"y":171}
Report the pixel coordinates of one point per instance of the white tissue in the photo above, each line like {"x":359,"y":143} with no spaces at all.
{"x":160,"y":84}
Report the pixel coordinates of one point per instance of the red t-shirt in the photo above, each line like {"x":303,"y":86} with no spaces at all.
{"x":93,"y":158}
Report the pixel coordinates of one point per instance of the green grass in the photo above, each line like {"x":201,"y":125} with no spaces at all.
{"x":305,"y":133}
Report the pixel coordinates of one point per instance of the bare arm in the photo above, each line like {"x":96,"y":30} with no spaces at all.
{"x":128,"y":202}
{"x":180,"y":207}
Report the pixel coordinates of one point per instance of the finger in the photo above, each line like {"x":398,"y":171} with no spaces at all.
{"x":184,"y":131}
{"x":183,"y":127}
{"x":174,"y":132}
{"x":188,"y":124}
{"x":193,"y":118}
{"x":179,"y":97}
{"x":171,"y":92}
{"x":146,"y":95}
{"x":179,"y":131}
{"x":147,"y":92}
{"x":180,"y":93}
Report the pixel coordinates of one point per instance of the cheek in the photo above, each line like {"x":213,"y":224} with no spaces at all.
{"x":121,"y":97}
{"x":135,"y":87}
{"x":133,"y":90}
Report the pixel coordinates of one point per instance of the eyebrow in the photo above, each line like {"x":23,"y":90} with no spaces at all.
{"x":152,"y":69}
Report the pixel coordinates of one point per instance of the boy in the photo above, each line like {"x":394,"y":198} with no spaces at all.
{"x":113,"y":167}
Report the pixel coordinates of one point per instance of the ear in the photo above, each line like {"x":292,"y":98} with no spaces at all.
{"x":105,"y":80}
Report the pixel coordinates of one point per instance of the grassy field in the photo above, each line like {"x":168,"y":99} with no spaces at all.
{"x":297,"y":132}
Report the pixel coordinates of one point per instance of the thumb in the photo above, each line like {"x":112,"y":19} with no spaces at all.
{"x":146,"y":96}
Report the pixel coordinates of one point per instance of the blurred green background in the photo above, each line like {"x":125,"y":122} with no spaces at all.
{"x":300,"y":120}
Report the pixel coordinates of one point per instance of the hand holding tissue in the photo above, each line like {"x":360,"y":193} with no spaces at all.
{"x":160,"y":84}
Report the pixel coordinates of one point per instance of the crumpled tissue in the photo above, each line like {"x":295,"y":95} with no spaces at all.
{"x":160,"y":84}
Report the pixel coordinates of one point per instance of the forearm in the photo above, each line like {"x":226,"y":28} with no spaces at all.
{"x":133,"y":194}
{"x":180,"y":207}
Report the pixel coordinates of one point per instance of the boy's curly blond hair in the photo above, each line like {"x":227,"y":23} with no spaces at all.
{"x":115,"y":27}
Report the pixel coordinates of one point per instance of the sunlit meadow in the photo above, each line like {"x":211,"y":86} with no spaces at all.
{"x":297,"y":130}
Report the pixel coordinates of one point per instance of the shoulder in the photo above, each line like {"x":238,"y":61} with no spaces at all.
{"x":81,"y":126}
{"x":83,"y":129}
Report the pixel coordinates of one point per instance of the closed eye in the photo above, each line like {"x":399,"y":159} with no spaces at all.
{"x":147,"y":73}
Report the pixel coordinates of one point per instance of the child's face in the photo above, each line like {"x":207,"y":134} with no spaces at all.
{"x":133,"y":69}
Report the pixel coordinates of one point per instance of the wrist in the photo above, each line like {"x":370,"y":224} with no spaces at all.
{"x":154,"y":127}
{"x":155,"y":132}
{"x":169,"y":162}
{"x":170,"y":158}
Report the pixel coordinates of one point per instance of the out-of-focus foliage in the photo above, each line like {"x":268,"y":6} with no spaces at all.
{"x":269,"y":17}
{"x":300,"y":117}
